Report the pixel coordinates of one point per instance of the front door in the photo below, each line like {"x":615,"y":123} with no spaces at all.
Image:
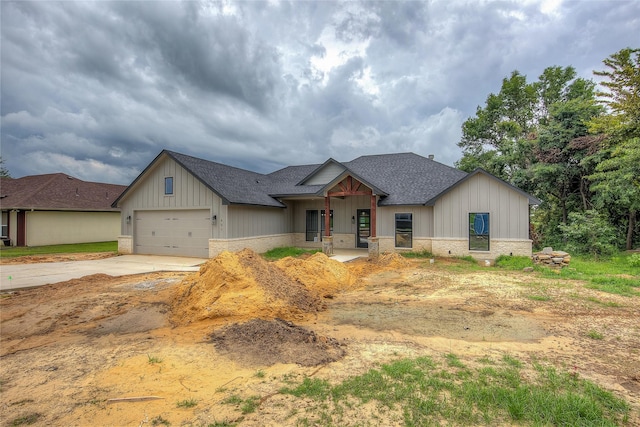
{"x":364,"y":228}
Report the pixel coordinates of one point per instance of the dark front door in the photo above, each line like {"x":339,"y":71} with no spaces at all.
{"x":22,"y":223}
{"x":364,"y":228}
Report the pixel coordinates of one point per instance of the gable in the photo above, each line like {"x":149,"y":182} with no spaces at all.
{"x":326,"y":173}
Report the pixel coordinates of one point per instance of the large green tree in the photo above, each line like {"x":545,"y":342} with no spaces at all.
{"x":4,"y":172}
{"x":616,"y":181}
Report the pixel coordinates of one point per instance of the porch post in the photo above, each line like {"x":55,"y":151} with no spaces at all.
{"x":374,"y":246}
{"x":327,"y":239}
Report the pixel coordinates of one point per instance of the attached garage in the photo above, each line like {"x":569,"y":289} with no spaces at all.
{"x":174,"y":232}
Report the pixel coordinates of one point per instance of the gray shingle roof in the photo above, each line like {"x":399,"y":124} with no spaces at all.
{"x":402,"y":178}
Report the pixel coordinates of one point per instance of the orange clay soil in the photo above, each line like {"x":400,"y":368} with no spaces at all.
{"x":131,"y":350}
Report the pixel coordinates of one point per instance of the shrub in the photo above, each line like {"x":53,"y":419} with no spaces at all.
{"x":589,"y":233}
{"x":634,"y":260}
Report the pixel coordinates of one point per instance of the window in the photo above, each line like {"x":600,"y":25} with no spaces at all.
{"x":312,"y":226}
{"x":168,"y":185}
{"x":404,"y":230}
{"x":322,"y":222}
{"x":478,"y":231}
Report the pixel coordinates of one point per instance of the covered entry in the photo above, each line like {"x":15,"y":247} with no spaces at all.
{"x":177,"y":232}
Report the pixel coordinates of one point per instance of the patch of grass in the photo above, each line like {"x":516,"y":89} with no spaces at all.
{"x":595,"y":335}
{"x":419,"y":392}
{"x":615,"y":285}
{"x":285,"y":251}
{"x":187,"y":403}
{"x":250,"y":405}
{"x":421,"y":254}
{"x":15,"y":251}
{"x":467,"y":258}
{"x":26,"y":420}
{"x":159,"y":420}
{"x":539,"y":297}
{"x":513,"y":262}
{"x":604,"y":303}
{"x":259,"y":374}
{"x":153,"y":359}
{"x":233,"y":400}
{"x":221,"y":424}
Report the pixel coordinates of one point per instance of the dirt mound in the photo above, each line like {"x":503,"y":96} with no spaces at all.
{"x":319,"y":273}
{"x":363,"y":267}
{"x":241,"y":285}
{"x":263,"y":342}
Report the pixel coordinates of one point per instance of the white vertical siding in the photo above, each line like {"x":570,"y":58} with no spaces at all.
{"x":188,"y":193}
{"x":325,"y":175}
{"x":422,"y":220}
{"x":508,"y":209}
{"x":247,"y":221}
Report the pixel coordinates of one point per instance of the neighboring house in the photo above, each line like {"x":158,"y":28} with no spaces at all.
{"x":182,"y":205}
{"x":56,"y":209}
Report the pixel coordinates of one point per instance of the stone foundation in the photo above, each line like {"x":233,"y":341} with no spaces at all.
{"x":497,"y":247}
{"x":125,"y":245}
{"x":259,"y":244}
{"x":374,"y":247}
{"x":327,"y":245}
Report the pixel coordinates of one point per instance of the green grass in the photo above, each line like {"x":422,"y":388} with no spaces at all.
{"x":615,"y":275}
{"x":421,"y":254}
{"x":14,"y":251}
{"x":153,"y":359}
{"x":285,"y":251}
{"x":423,"y":392}
{"x":513,"y":262}
{"x":26,"y":420}
{"x":187,"y":403}
{"x":595,"y":335}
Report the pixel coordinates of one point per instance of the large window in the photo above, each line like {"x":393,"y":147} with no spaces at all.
{"x":315,"y":224}
{"x":322,"y":222}
{"x":478,"y":231}
{"x":312,"y":226}
{"x":404,"y":230}
{"x":168,"y":185}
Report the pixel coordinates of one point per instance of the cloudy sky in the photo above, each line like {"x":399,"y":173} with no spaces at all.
{"x":98,"y":89}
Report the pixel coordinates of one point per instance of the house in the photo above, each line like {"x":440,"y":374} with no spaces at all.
{"x":56,"y":209}
{"x":183,"y":205}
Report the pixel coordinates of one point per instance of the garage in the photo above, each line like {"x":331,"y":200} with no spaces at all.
{"x":177,"y":232}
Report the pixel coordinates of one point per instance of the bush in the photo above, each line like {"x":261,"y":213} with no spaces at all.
{"x":634,"y":260}
{"x":589,"y":233}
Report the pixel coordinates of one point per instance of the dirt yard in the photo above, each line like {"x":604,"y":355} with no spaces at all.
{"x":175,"y":348}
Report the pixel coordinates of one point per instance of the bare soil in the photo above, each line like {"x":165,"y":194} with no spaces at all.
{"x":116,"y":351}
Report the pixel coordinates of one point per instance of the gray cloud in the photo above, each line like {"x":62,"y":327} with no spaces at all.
{"x":97,"y":89}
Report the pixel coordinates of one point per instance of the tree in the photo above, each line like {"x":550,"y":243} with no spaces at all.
{"x":4,"y":172}
{"x":616,"y":179}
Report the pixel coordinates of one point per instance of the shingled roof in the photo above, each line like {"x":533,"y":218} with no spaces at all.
{"x":57,"y":191}
{"x":400,"y":179}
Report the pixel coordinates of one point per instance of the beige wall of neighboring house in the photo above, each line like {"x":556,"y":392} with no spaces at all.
{"x":59,"y":227}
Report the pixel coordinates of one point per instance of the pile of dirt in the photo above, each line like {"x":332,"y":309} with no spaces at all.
{"x":263,"y":343}
{"x":363,"y":267}
{"x":242,"y":285}
{"x":319,"y":273}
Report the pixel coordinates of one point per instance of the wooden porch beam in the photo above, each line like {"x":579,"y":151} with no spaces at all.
{"x":327,"y":216}
{"x":372,"y":221}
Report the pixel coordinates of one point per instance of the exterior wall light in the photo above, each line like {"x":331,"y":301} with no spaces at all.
{"x":129,"y":219}
{"x":353,"y":220}
{"x":214,"y":219}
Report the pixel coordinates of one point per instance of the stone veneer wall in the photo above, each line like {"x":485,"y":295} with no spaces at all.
{"x":497,"y":247}
{"x":388,"y":244}
{"x":257,"y":243}
{"x":125,"y":245}
{"x":340,"y":241}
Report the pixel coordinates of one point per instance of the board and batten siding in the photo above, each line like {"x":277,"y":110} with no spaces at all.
{"x":508,"y":209}
{"x":248,"y":221}
{"x":343,"y":210}
{"x":422,"y":220}
{"x":325,"y":175}
{"x":188,"y":193}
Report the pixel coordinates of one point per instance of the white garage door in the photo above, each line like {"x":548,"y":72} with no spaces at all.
{"x":180,"y":233}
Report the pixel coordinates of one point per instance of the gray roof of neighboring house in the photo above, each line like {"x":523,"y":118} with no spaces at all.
{"x":57,"y":191}
{"x":401,"y":179}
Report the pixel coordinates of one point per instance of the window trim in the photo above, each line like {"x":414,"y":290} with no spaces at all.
{"x":488,"y":232}
{"x":168,"y":180}
{"x":395,"y":230}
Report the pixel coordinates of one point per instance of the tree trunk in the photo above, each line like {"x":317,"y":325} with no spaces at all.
{"x":583,"y":190}
{"x":630,"y":230}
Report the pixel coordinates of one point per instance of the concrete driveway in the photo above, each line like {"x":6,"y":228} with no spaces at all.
{"x":28,"y":275}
